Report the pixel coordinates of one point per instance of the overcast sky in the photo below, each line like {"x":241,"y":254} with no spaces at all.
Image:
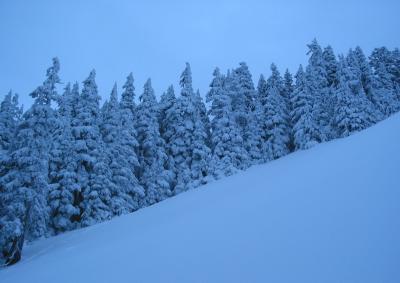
{"x":155,"y":38}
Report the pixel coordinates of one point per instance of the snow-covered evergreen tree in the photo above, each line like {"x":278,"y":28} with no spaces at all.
{"x":205,"y":120}
{"x":317,"y":84}
{"x":288,"y":88}
{"x":166,"y":119}
{"x":63,"y":177}
{"x":94,"y":176}
{"x":331,"y":66}
{"x":247,"y":109}
{"x":188,"y":139}
{"x":10,"y":116}
{"x":386,"y":80}
{"x":275,"y":127}
{"x":305,"y":128}
{"x":125,"y":189}
{"x":229,"y":153}
{"x":128,"y":135}
{"x":359,"y":61}
{"x":167,"y":100}
{"x":353,"y":111}
{"x":25,"y":214}
{"x":152,"y":157}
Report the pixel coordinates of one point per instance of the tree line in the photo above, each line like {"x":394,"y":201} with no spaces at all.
{"x":68,"y":162}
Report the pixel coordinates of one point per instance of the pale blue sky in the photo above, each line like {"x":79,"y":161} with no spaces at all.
{"x":155,"y":38}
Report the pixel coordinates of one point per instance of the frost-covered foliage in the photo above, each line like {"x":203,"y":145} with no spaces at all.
{"x":288,"y":90}
{"x":248,"y":111}
{"x":128,"y":138}
{"x":166,"y":120}
{"x":10,"y":116}
{"x":386,"y":70}
{"x":331,"y":66}
{"x":24,"y":208}
{"x":306,"y":132}
{"x":66,"y":163}
{"x":187,"y":138}
{"x":94,"y":176}
{"x":317,"y":85}
{"x":353,"y":110}
{"x":152,"y":157}
{"x":63,"y":176}
{"x":229,"y":153}
{"x":124,"y":185}
{"x":275,"y":127}
{"x":10,"y":225}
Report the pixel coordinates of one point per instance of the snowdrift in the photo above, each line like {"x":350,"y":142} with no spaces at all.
{"x":328,"y":214}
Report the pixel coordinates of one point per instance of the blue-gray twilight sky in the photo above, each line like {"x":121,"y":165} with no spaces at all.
{"x":155,"y":38}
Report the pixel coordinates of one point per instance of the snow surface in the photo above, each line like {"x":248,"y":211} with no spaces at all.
{"x":329,"y":214}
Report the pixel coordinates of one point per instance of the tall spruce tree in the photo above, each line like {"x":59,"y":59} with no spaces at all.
{"x":305,"y":129}
{"x":205,"y":120}
{"x":331,"y":66}
{"x":317,"y":84}
{"x":25,"y":185}
{"x":124,"y":185}
{"x":288,"y":88}
{"x":166,"y":118}
{"x":128,"y":136}
{"x":188,"y":138}
{"x":276,"y":133}
{"x":94,"y":175}
{"x":167,"y":100}
{"x":63,"y":177}
{"x":10,"y":227}
{"x":386,"y":74}
{"x":152,"y":156}
{"x":10,"y":116}
{"x":229,"y":153}
{"x":247,"y":109}
{"x":353,"y":111}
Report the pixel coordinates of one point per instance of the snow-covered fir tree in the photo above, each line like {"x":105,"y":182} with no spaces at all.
{"x":360,"y":68}
{"x":94,"y":176}
{"x":10,"y":228}
{"x":124,"y":186}
{"x":331,"y":66}
{"x":25,"y":214}
{"x":201,"y":107}
{"x":353,"y":111}
{"x":187,"y":142}
{"x":248,"y":111}
{"x":386,"y":74}
{"x":317,"y":84}
{"x":166,"y":120}
{"x":152,"y":157}
{"x":128,"y":136}
{"x":275,"y":127}
{"x":63,"y":177}
{"x":305,"y":129}
{"x":288,"y":88}
{"x":167,"y":100}
{"x":10,"y":116}
{"x":228,"y":152}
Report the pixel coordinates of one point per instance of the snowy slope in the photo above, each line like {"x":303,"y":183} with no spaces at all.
{"x":329,"y":214}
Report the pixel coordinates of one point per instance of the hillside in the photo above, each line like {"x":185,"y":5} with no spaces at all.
{"x":328,"y":214}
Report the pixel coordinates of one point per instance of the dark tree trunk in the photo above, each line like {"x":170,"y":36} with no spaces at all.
{"x":14,"y":254}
